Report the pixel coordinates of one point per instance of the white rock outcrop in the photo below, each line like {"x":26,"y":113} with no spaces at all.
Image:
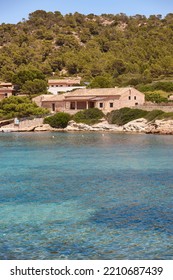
{"x":138,"y":125}
{"x":105,"y":126}
{"x":44,"y":127}
{"x":160,"y":127}
{"x":73,"y":126}
{"x":102,"y":126}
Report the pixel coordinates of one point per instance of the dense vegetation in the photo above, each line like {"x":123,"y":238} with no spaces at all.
{"x":106,"y":50}
{"x":94,"y":115}
{"x":88,"y":116}
{"x":19,"y":107}
{"x":125,"y":115}
{"x":59,"y":120}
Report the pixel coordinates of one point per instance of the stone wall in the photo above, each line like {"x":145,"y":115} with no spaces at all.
{"x":148,"y":107}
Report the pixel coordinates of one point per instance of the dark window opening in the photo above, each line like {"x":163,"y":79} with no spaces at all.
{"x":90,"y":104}
{"x":101,"y":105}
{"x":111,"y":105}
{"x":129,"y":97}
{"x":134,"y":97}
{"x":53,"y":107}
{"x":72,"y":105}
{"x":81,"y":105}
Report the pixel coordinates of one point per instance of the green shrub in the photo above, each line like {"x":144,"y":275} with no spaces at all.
{"x":125,"y":115}
{"x":15,"y":106}
{"x":165,"y":86}
{"x":88,"y":116}
{"x":145,"y":88}
{"x":102,"y":82}
{"x":166,"y":116}
{"x":155,"y":114}
{"x":155,"y":97}
{"x":59,"y":120}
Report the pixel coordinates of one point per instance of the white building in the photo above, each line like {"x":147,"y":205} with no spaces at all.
{"x":57,"y":86}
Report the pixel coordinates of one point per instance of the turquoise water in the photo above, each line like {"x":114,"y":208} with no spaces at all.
{"x":86,"y":196}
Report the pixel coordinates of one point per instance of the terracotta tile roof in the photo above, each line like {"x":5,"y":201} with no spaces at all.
{"x":77,"y":97}
{"x":99,"y":92}
{"x":5,"y":84}
{"x":88,"y":94}
{"x":67,"y":81}
{"x":49,"y":97}
{"x":8,"y":89}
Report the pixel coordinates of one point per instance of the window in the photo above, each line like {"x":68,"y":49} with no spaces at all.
{"x":5,"y":94}
{"x":101,"y":105}
{"x":72,"y":105}
{"x":53,"y":107}
{"x":129,"y":97}
{"x":134,"y":97}
{"x":111,"y":105}
{"x":136,"y":103}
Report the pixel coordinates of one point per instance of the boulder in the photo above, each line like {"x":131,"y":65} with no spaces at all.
{"x":105,"y":126}
{"x":160,"y":127}
{"x":73,"y":126}
{"x":138,"y":125}
{"x":102,"y":126}
{"x":44,"y":127}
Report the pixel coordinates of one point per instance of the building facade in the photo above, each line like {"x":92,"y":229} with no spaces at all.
{"x":106,"y":99}
{"x":6,"y":90}
{"x":57,"y":86}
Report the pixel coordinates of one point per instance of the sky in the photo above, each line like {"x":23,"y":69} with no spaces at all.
{"x":13,"y":11}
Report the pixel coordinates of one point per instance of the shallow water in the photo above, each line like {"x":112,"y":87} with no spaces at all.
{"x":86,"y":196}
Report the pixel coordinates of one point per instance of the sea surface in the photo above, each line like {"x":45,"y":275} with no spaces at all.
{"x":86,"y":196}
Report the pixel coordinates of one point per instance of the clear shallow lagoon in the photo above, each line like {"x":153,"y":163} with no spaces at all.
{"x":86,"y":196}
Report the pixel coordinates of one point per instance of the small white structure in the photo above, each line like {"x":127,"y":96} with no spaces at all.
{"x":57,"y":86}
{"x":170,"y":98}
{"x":57,"y":90}
{"x":16,"y":121}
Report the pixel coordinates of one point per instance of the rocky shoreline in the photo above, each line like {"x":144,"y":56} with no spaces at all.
{"x":136,"y":126}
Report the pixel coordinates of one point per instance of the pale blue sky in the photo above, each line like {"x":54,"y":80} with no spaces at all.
{"x":12,"y":11}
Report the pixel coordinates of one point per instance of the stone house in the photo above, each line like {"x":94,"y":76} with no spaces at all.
{"x":57,"y":86}
{"x":105,"y":99}
{"x":6,"y":90}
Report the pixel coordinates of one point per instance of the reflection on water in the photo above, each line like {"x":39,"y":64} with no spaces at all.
{"x":86,"y":196}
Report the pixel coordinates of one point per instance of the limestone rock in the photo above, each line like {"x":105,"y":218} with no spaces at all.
{"x":160,"y":127}
{"x":44,"y":127}
{"x":138,"y":125}
{"x":73,"y":126}
{"x":105,"y":126}
{"x":102,"y":126}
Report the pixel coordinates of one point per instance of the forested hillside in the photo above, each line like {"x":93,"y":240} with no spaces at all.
{"x":106,"y":50}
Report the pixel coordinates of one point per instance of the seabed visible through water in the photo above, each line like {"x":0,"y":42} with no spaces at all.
{"x":86,"y":196}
